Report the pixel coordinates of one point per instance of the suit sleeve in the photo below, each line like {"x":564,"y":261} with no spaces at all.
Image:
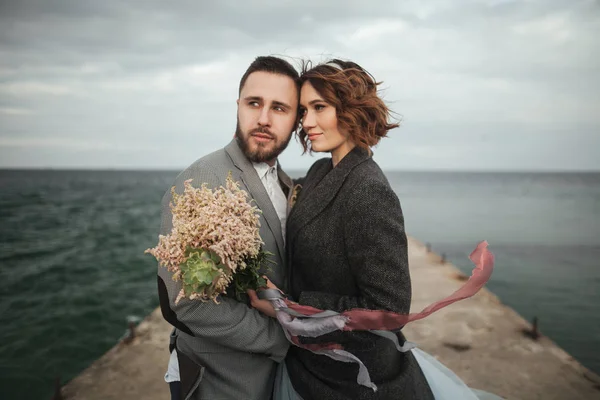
{"x":377,"y":251}
{"x":231,"y":324}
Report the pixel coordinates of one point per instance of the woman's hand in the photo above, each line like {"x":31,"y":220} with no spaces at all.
{"x":271,"y":285}
{"x":264,"y":306}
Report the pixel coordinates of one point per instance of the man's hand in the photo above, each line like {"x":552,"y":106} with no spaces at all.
{"x":264,"y":306}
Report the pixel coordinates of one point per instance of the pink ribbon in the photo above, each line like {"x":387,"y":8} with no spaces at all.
{"x":374,"y":320}
{"x":363,"y":319}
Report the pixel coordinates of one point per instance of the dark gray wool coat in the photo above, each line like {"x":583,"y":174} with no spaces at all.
{"x":347,"y":249}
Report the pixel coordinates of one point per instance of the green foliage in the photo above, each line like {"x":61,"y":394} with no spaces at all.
{"x":200,"y":270}
{"x":251,"y":276}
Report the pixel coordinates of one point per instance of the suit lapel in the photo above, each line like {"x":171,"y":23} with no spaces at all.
{"x":286,"y":185}
{"x":321,"y":189}
{"x":285,"y":180}
{"x":258,"y":192}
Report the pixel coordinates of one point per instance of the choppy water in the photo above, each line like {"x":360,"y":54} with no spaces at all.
{"x":73,"y":272}
{"x":544,"y":230}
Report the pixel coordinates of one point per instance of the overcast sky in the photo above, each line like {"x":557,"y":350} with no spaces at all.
{"x":479,"y":84}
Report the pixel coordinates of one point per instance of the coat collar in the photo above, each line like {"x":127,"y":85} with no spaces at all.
{"x":321,"y":188}
{"x":257,"y":191}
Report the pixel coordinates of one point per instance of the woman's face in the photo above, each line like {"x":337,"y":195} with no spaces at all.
{"x":319,"y":121}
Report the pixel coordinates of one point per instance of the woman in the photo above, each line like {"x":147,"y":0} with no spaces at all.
{"x":346,"y":242}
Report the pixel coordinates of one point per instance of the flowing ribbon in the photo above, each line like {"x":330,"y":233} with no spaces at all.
{"x":312,"y":322}
{"x":362,"y":319}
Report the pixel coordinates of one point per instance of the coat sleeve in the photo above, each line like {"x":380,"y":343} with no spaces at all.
{"x":231,"y":324}
{"x":377,"y":251}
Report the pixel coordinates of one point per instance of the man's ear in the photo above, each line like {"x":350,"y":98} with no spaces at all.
{"x":237,"y":102}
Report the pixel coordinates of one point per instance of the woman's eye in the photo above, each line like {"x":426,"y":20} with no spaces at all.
{"x":319,"y":107}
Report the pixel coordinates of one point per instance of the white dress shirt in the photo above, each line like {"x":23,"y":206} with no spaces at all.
{"x":270,"y":180}
{"x":172,"y":374}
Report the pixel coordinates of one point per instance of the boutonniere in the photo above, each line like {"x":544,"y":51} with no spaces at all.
{"x":295,"y":193}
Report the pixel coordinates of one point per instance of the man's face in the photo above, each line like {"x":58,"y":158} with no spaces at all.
{"x":267,"y":110}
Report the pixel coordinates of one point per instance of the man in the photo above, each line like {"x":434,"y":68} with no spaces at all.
{"x":230,"y":350}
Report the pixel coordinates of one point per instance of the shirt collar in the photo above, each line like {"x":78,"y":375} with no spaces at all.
{"x":262,"y":168}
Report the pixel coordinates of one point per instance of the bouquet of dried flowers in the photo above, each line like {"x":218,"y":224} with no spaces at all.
{"x":214,"y":246}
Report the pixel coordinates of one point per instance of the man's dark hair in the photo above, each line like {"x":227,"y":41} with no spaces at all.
{"x":273,"y":65}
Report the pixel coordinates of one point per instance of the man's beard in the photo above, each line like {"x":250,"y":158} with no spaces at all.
{"x":262,"y":152}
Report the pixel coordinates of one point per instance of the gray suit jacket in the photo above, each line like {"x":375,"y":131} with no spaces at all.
{"x":348,"y":249}
{"x":229,"y":350}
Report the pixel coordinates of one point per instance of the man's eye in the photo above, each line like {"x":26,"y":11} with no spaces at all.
{"x":277,"y":108}
{"x":253,"y":103}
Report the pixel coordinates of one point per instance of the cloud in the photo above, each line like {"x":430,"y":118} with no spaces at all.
{"x":71,"y":144}
{"x":35,"y":88}
{"x":15,"y":111}
{"x":465,"y":76}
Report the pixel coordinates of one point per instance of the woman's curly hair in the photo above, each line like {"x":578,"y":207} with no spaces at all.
{"x":353,"y":92}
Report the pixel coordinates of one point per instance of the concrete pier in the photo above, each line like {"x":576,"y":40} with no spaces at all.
{"x":488,"y":344}
{"x":132,"y":369}
{"x":483,"y":341}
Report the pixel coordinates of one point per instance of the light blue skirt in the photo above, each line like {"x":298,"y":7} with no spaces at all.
{"x":444,"y":383}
